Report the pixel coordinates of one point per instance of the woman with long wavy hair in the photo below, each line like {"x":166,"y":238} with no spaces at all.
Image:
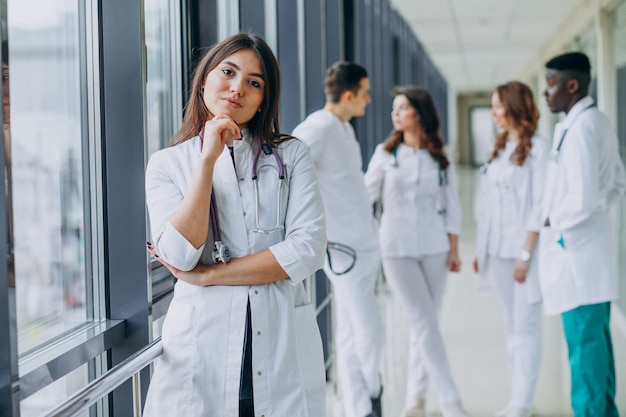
{"x":240,"y":337}
{"x":420,"y":225}
{"x":508,"y":224}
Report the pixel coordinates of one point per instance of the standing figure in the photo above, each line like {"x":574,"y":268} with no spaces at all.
{"x":237,"y":217}
{"x":359,"y":335}
{"x":419,"y":232}
{"x":584,"y":177}
{"x":509,"y":220}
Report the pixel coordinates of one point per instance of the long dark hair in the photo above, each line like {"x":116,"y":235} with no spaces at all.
{"x":521,"y":112}
{"x":266,"y":123}
{"x":431,"y":139}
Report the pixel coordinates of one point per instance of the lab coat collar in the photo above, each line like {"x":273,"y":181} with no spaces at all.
{"x":580,"y":106}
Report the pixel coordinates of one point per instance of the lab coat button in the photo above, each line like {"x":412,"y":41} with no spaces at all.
{"x":259,"y":333}
{"x":260,"y":373}
{"x":256,"y":291}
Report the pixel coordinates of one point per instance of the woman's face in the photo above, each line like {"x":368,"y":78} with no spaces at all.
{"x":403,"y":116}
{"x":498,"y":112}
{"x":235,"y":87}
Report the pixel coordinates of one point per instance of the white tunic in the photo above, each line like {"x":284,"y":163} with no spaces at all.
{"x":411,"y":225}
{"x":582,"y":182}
{"x":509,"y":206}
{"x":199,"y":371}
{"x":333,"y":144}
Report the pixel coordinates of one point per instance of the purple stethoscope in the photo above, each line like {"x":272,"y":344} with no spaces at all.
{"x":220,"y":251}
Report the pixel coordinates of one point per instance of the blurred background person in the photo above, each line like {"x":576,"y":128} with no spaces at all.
{"x":359,"y":334}
{"x":508,"y":224}
{"x":419,"y":230}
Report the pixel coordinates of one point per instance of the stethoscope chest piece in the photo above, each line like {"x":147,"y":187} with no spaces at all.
{"x":220,"y":253}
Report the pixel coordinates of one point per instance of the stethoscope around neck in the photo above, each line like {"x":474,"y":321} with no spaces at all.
{"x":221,"y":252}
{"x":557,"y":151}
{"x":443,"y":174}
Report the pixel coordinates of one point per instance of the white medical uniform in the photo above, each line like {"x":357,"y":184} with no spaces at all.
{"x":359,"y":332}
{"x":415,"y":245}
{"x":508,"y":207}
{"x":203,"y":334}
{"x":582,"y":182}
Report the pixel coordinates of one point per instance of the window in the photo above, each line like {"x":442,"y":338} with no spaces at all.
{"x":164,"y":80}
{"x":48,"y":173}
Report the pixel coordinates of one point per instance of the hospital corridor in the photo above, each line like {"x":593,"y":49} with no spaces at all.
{"x":176,"y":173}
{"x":473,"y":328}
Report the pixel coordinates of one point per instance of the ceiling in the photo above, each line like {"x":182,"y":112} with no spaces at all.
{"x":478,"y":44}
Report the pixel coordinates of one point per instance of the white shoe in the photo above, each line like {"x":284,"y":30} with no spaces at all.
{"x":418,"y":410}
{"x":453,"y":410}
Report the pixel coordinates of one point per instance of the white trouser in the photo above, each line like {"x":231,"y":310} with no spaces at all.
{"x":523,"y":332}
{"x":419,"y":284}
{"x":359,"y":335}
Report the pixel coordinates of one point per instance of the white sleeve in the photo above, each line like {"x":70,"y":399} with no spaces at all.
{"x":375,"y":175}
{"x":539,"y":159}
{"x":163,"y":197}
{"x":619,"y":183}
{"x":302,"y":252}
{"x":453,"y":215}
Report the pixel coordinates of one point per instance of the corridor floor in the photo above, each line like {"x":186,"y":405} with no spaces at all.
{"x":473,"y":329}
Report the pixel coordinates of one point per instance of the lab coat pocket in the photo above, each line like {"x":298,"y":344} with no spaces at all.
{"x":310,"y":358}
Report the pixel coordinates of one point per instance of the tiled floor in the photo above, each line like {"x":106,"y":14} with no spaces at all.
{"x":473,"y":329}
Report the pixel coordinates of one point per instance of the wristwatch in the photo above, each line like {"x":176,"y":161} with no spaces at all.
{"x":524,"y":256}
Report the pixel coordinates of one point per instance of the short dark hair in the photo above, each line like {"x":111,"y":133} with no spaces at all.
{"x":573,"y":65}
{"x":343,"y":76}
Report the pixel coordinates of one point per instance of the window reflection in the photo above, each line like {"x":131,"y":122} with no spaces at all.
{"x":163,"y":86}
{"x":47,"y":170}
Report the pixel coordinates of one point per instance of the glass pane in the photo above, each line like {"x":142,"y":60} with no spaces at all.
{"x":45,"y":67}
{"x":52,"y":395}
{"x":163,"y":96}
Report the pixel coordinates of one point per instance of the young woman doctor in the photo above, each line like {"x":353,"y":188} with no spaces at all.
{"x":508,"y":224}
{"x":419,"y":231}
{"x":239,"y":338}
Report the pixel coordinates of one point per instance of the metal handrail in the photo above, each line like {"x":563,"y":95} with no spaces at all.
{"x":106,"y":383}
{"x":127,"y":369}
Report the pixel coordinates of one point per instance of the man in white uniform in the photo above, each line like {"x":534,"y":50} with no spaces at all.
{"x":337,"y":156}
{"x":585,"y":176}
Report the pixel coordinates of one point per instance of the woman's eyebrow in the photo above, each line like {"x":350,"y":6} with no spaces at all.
{"x":254,"y":74}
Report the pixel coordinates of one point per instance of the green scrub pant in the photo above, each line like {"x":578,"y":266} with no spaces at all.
{"x":591,"y":360}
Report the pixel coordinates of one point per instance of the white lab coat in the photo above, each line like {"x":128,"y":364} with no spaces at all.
{"x":508,"y":207}
{"x":337,"y":157}
{"x":410,"y":224}
{"x":581,"y":185}
{"x":199,"y":371}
